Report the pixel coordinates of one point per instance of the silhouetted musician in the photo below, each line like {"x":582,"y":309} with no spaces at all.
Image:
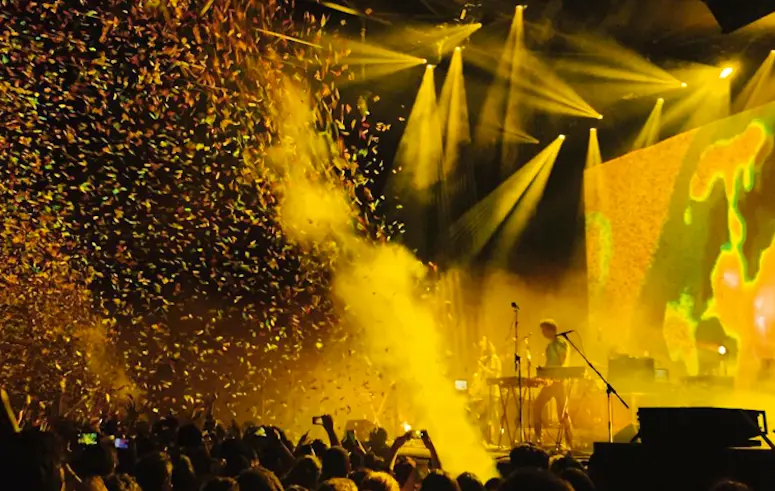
{"x":489,"y":367}
{"x":556,"y":356}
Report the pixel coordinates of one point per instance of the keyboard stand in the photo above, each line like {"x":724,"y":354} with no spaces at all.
{"x":506,"y":394}
{"x":565,"y":422}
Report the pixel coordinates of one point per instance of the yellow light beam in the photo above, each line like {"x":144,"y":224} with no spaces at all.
{"x":649,"y":134}
{"x":525,"y":209}
{"x":360,"y":52}
{"x":381,"y":61}
{"x":544,"y":90}
{"x":421,"y":37}
{"x":706,"y":99}
{"x":376,"y":71}
{"x":614,"y":61}
{"x":512,"y":121}
{"x":593,"y":150}
{"x":492,"y":119}
{"x":354,"y":12}
{"x":288,"y":38}
{"x":454,"y":37}
{"x":420,"y":149}
{"x":453,"y":113}
{"x":590,"y":68}
{"x":417,"y":166}
{"x":758,"y":89}
{"x":474,"y":230}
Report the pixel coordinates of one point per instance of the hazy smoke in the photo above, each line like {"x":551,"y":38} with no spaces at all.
{"x":378,"y":285}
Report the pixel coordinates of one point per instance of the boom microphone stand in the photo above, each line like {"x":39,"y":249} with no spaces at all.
{"x":529,"y":411}
{"x":518,"y":371}
{"x":608,"y":389}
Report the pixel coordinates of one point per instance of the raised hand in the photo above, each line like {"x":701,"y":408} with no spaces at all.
{"x":8,"y":424}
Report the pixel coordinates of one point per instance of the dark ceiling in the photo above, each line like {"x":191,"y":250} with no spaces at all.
{"x":684,"y":29}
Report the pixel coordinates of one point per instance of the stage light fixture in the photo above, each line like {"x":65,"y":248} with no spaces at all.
{"x":599,"y":116}
{"x":425,"y":61}
{"x":727,"y":72}
{"x":457,"y":48}
{"x":661,"y":100}
{"x":430,"y":67}
{"x":722,"y":350}
{"x":561,"y":137}
{"x":684,"y":84}
{"x":593,"y":130}
{"x":521,"y":7}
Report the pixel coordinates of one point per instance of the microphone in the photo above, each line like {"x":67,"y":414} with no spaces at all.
{"x":564,"y":333}
{"x":514,"y":306}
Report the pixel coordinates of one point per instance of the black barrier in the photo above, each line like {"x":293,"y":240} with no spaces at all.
{"x":682,"y":467}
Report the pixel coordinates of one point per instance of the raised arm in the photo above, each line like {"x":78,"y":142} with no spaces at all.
{"x":8,"y":423}
{"x":328,"y":425}
{"x":435,"y":461}
{"x":397,"y":444}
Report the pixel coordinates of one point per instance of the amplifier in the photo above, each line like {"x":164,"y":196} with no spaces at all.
{"x":710,"y":382}
{"x":630,"y":370}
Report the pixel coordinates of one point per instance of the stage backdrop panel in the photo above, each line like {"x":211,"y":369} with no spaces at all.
{"x":681,"y":249}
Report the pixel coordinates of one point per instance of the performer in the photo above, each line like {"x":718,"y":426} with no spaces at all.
{"x":556,"y":356}
{"x":488,"y":366}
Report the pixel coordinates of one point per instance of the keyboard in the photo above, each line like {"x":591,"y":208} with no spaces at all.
{"x":561,"y":373}
{"x":527,"y":382}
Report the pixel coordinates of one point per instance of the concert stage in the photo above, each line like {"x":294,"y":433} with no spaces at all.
{"x":681,"y":251}
{"x":681,"y":275}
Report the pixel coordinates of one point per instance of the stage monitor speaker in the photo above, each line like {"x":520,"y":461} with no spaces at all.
{"x":636,"y":467}
{"x":628,"y":372}
{"x":707,"y":427}
{"x":732,"y":15}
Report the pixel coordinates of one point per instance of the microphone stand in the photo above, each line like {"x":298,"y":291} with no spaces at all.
{"x":518,"y":371}
{"x":529,"y":392}
{"x":609,"y":389}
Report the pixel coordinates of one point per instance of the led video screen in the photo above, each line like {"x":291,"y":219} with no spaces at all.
{"x":680,"y":243}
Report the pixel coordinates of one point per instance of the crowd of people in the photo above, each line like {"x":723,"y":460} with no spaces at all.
{"x":137,"y":453}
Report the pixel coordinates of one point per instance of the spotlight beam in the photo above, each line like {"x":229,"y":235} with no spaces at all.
{"x":649,"y":134}
{"x":525,"y":209}
{"x":476,"y":228}
{"x":288,"y":38}
{"x":759,"y":88}
{"x":593,"y":150}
